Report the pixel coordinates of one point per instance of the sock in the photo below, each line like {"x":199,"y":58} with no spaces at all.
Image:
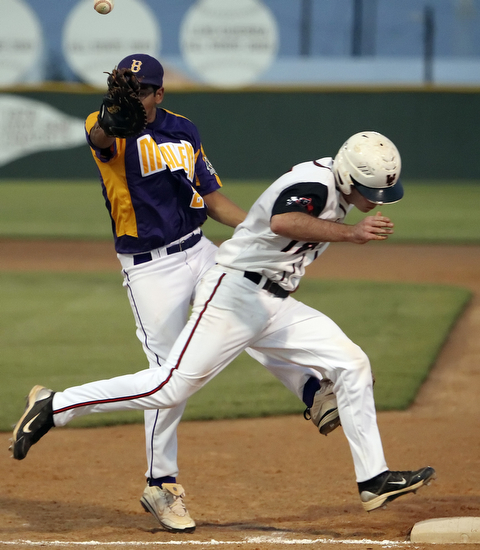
{"x":159,"y":481}
{"x":309,"y":390}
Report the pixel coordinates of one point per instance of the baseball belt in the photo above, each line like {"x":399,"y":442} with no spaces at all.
{"x":269,"y":285}
{"x":183,"y":245}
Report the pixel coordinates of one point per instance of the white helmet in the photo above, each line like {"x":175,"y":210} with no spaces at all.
{"x":370,"y":162}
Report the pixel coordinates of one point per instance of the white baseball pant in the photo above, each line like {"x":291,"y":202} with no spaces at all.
{"x":230,"y":313}
{"x":160,"y":294}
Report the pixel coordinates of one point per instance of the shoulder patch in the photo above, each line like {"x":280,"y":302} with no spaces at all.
{"x":209,"y":165}
{"x":300,"y":201}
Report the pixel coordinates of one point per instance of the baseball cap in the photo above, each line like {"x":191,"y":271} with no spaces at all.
{"x":145,"y":67}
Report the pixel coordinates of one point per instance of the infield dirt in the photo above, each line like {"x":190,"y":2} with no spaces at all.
{"x":260,"y":483}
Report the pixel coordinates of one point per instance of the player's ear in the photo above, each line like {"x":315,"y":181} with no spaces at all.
{"x":159,"y":95}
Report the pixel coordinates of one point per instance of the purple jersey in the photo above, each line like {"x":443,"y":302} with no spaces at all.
{"x":153,"y":184}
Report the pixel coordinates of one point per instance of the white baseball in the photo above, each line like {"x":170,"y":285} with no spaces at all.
{"x":103,"y":6}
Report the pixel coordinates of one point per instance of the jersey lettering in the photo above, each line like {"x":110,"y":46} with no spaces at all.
{"x":197,"y":201}
{"x":301,"y":249}
{"x":306,"y":247}
{"x":151,"y":160}
{"x":289,"y":246}
{"x":175,"y":156}
{"x":169,"y":156}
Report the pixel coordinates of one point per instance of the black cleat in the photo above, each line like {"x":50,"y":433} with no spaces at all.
{"x":388,"y":486}
{"x":35,"y":422}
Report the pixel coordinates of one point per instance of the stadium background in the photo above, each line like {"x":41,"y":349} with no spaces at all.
{"x":410,"y":70}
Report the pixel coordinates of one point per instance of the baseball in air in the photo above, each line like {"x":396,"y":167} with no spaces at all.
{"x":103,"y":6}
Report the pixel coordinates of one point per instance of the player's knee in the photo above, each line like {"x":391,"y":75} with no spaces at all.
{"x":360,"y":364}
{"x":170,"y":400}
{"x":175,"y":393}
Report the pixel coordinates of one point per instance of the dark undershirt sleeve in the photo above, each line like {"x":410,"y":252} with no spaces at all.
{"x":307,"y":197}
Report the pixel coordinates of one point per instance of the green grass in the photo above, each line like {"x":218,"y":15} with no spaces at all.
{"x":61,"y":330}
{"x":42,"y":209}
{"x":442,"y":212}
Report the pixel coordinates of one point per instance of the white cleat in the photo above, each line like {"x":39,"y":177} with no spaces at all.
{"x":166,"y":504}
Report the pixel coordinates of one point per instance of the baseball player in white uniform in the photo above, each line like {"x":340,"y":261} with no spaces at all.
{"x":245,"y":301}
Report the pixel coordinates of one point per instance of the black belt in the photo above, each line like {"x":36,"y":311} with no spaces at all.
{"x":184,"y":245}
{"x":269,"y":286}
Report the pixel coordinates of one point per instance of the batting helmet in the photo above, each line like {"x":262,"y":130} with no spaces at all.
{"x":371,"y":163}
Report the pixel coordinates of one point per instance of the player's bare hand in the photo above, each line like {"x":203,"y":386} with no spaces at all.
{"x":372,"y":228}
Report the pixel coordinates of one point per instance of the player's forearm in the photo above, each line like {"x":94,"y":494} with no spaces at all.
{"x":302,"y":227}
{"x":223,"y":210}
{"x":99,"y":138}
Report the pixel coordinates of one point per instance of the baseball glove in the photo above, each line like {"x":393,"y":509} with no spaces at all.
{"x":122,"y":114}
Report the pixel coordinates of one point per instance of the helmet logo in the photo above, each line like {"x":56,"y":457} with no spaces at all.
{"x":391,"y":179}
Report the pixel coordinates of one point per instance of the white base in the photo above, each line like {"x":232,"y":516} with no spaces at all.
{"x":447,"y":530}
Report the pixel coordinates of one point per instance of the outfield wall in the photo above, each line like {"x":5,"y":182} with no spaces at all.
{"x":261,"y":134}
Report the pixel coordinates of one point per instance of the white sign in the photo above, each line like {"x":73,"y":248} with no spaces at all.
{"x":21,"y":43}
{"x":229,"y":43}
{"x":94,"y":43}
{"x":29,"y":126}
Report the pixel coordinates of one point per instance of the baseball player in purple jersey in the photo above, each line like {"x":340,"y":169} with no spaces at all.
{"x":244,"y":300}
{"x":159,"y":188}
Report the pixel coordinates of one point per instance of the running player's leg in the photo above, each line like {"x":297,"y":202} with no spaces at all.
{"x":293,"y":378}
{"x":218,"y":331}
{"x":307,"y":338}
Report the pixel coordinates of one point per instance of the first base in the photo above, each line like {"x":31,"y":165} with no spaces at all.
{"x":447,"y":530}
